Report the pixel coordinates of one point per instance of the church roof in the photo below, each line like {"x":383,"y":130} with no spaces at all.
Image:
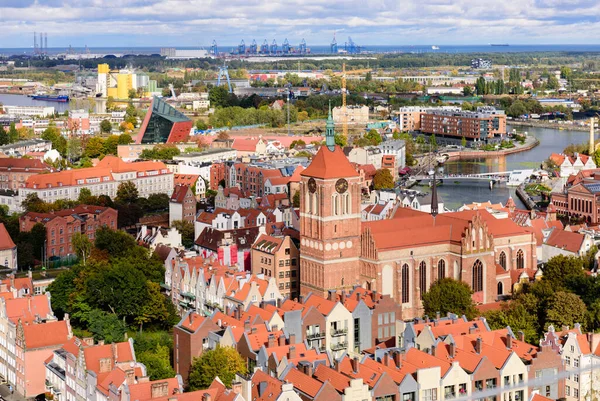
{"x":330,"y":164}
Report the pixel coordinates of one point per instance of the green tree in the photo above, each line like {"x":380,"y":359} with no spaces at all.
{"x":82,"y":246}
{"x":222,"y":362}
{"x":463,"y":142}
{"x":433,"y":142}
{"x":106,"y":326}
{"x":298,"y":143}
{"x":201,"y":125}
{"x":61,"y":289}
{"x":449,"y":295}
{"x":373,"y":137}
{"x":105,"y":126}
{"x":552,"y":83}
{"x":560,"y":267}
{"x":127,"y":192}
{"x":115,"y":243}
{"x":566,"y":309}
{"x":340,"y":140}
{"x":383,"y":179}
{"x":94,"y":147}
{"x":4,"y":138}
{"x":218,"y":96}
{"x":125,"y":139}
{"x":187,"y":232}
{"x":158,"y":202}
{"x":32,"y":203}
{"x":110,"y":145}
{"x":157,"y":362}
{"x":110,"y":103}
{"x":74,"y":148}
{"x":13,"y":134}
{"x":53,"y":135}
{"x":131,"y":94}
{"x":517,"y":317}
{"x":296,"y":199}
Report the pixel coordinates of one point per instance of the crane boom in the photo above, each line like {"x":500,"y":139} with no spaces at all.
{"x":344,"y":108}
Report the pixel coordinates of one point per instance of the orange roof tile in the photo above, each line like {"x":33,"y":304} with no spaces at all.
{"x":5,"y":241}
{"x":265,"y":387}
{"x":303,"y":383}
{"x":143,"y":391}
{"x":324,"y":306}
{"x":40,"y":335}
{"x":330,"y":164}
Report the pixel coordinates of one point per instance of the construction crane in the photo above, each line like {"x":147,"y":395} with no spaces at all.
{"x":224,"y":72}
{"x":286,"y":46}
{"x":214,"y":50}
{"x":274,"y":47}
{"x":334,"y":45}
{"x":242,"y":47}
{"x":264,"y":48}
{"x":344,"y":109}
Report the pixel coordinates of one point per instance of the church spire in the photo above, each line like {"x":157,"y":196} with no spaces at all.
{"x":329,"y":131}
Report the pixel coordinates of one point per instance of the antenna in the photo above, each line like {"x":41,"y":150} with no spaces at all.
{"x":35,"y":47}
{"x":46,"y":42}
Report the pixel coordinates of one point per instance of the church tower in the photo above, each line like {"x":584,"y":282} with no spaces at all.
{"x":330,"y":220}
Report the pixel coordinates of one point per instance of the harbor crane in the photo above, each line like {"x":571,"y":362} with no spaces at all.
{"x":253,"y":47}
{"x":274,"y":47}
{"x":334,"y":45}
{"x":264,"y":48}
{"x":286,"y":46}
{"x":214,"y":50}
{"x":242,"y":47}
{"x":302,"y":47}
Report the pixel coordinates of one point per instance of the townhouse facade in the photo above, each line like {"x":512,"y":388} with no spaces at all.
{"x":277,"y":258}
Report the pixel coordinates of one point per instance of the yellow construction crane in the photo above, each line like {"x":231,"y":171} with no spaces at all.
{"x":344,"y":109}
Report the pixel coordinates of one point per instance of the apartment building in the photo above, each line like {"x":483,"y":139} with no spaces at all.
{"x":182,"y":205}
{"x":483,"y":124}
{"x":149,"y":178}
{"x":62,"y":224}
{"x":277,"y":258}
{"x":14,"y":172}
{"x":8,"y":250}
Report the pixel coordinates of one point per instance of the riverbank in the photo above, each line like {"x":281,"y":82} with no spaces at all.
{"x":462,"y":155}
{"x":548,"y":124}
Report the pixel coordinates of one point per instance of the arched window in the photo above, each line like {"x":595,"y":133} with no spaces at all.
{"x":405,"y":284}
{"x":477,"y":276}
{"x":347,"y":209}
{"x":422,"y":278}
{"x":308,"y":198}
{"x":520,"y":259}
{"x":315,"y":204}
{"x":441,"y":269}
{"x":500,"y":288}
{"x":335,"y":204}
{"x":502,"y":260}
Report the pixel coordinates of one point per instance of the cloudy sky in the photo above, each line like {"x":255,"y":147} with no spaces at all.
{"x":118,"y":23}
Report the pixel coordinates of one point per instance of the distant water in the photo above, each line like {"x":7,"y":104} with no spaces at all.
{"x":326,"y":49}
{"x":21,"y":100}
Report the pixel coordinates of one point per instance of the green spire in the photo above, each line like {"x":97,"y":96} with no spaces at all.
{"x":329,"y":131}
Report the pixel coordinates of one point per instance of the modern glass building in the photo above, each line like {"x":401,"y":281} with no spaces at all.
{"x":164,"y":124}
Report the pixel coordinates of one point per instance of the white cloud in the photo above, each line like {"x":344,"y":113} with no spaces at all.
{"x":193,"y":22}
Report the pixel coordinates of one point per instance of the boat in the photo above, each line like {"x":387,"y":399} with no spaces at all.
{"x":435,"y":48}
{"x":52,"y":98}
{"x":498,"y":44}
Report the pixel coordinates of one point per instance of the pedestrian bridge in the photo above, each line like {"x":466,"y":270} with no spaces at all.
{"x":510,"y":178}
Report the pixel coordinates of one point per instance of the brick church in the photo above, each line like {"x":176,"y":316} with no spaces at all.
{"x":401,"y":256}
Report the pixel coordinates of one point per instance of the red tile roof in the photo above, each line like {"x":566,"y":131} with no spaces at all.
{"x":40,"y":335}
{"x":179,"y":193}
{"x":566,"y":240}
{"x":330,"y":164}
{"x":303,"y":383}
{"x":265,"y":387}
{"x":143,"y":391}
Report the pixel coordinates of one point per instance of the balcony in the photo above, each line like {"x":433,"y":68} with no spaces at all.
{"x":49,"y":384}
{"x":188,"y":295}
{"x":338,"y":332}
{"x":339,"y":346}
{"x":315,"y":336}
{"x":165,"y":286}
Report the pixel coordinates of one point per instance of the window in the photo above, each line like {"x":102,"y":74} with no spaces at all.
{"x":520,"y":259}
{"x":441,"y":269}
{"x":422,"y":278}
{"x":568,"y":360}
{"x":477,"y":276}
{"x":575,"y":392}
{"x":502,"y":260}
{"x":576,"y":378}
{"x":567,"y":390}
{"x":429,"y":395}
{"x":449,"y":392}
{"x":405,"y":284}
{"x":576,"y":362}
{"x":479,"y":385}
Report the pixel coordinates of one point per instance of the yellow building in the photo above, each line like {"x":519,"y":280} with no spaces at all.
{"x":116,"y":83}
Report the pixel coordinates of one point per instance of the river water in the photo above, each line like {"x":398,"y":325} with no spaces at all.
{"x":95,"y":105}
{"x":551,"y":141}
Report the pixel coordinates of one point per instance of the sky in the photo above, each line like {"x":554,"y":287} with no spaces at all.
{"x":132,"y":23}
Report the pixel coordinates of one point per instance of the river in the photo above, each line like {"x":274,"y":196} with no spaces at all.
{"x":97,"y":105}
{"x":551,"y":141}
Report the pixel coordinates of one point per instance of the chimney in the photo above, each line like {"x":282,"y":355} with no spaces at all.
{"x":472,"y":330}
{"x":343,"y":297}
{"x":478,"y":345}
{"x":115,"y":352}
{"x":228,"y":310}
{"x":292,"y":352}
{"x":236,"y":387}
{"x":292,"y":339}
{"x":354,"y":363}
{"x":271,"y":341}
{"x":206,"y":397}
{"x":191,"y":318}
{"x":509,"y":341}
{"x":100,"y":342}
{"x":278,"y":302}
{"x":247,"y":325}
{"x":433,"y":349}
{"x":130,"y":377}
{"x":237,"y":313}
{"x":451,"y":350}
{"x":332,"y":295}
{"x":281,"y":340}
{"x":521,"y":335}
{"x":386,"y":359}
{"x":358,"y":296}
{"x":88,"y":340}
{"x":300,"y":299}
{"x":253,"y":330}
{"x":337,"y":365}
{"x":437,"y":315}
{"x":398,"y":359}
{"x":375,"y":296}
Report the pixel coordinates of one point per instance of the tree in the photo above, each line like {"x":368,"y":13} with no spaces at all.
{"x":110,"y":103}
{"x":154,"y":309}
{"x":125,"y":139}
{"x":552,"y":82}
{"x":517,"y":317}
{"x":467,"y":91}
{"x":218,"y":96}
{"x":201,"y":125}
{"x":4,"y":139}
{"x":373,"y":137}
{"x":433,"y":142}
{"x":53,"y":135}
{"x":131,"y":93}
{"x":340,"y":140}
{"x":296,"y":199}
{"x":127,"y":192}
{"x":74,"y":148}
{"x":560,"y":267}
{"x":298,"y":143}
{"x":222,"y":362}
{"x":13,"y":134}
{"x":106,"y":326}
{"x":223,"y":135}
{"x":449,"y":295}
{"x":82,"y":246}
{"x":110,"y":145}
{"x":116,"y":243}
{"x":105,"y":126}
{"x":94,"y":147}
{"x":565,"y":309}
{"x":463,"y":142}
{"x":157,"y":202}
{"x":157,"y":362}
{"x":187,"y":232}
{"x":61,"y":289}
{"x":302,"y":116}
{"x":383,"y":179}
{"x":32,"y":203}
{"x":126,"y":126}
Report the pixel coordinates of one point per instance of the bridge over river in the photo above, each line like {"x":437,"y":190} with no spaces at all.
{"x":510,"y":178}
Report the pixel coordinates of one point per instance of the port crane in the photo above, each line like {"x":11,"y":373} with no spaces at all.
{"x":253,"y":47}
{"x":264,"y":48}
{"x":302,"y":47}
{"x":274,"y":47}
{"x":334,"y":45}
{"x":351,"y":47}
{"x":242,"y":47}
{"x":286,"y":46}
{"x":214,"y":50}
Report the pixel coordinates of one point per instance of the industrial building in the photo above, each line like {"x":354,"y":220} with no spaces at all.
{"x":118,"y":83}
{"x":173,"y":53}
{"x":480,"y":63}
{"x":28,"y":111}
{"x":164,"y":124}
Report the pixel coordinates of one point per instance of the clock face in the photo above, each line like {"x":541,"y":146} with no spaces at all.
{"x":312,"y":185}
{"x":341,"y":186}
